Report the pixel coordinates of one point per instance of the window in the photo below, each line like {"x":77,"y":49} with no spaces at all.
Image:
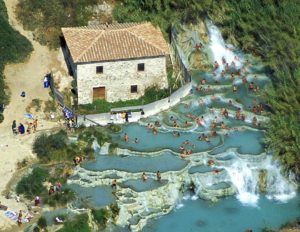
{"x":133,"y":89}
{"x":99,"y":69}
{"x":141,"y":67}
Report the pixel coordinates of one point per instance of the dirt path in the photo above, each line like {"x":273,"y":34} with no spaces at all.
{"x":28,"y":77}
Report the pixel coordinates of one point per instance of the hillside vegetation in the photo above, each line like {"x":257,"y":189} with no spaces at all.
{"x":13,"y":48}
{"x":49,"y":16}
{"x":266,"y":28}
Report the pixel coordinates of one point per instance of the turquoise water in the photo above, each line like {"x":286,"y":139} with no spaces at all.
{"x":142,"y":186}
{"x":163,"y":163}
{"x":201,"y":169}
{"x":149,"y":142}
{"x":95,"y":197}
{"x":247,"y":142}
{"x":227,"y":215}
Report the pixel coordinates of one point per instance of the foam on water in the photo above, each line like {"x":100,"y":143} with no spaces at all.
{"x":219,"y":48}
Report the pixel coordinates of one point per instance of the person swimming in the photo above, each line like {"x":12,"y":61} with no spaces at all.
{"x":215,"y":121}
{"x":223,"y":74}
{"x":114,"y":183}
{"x":144,"y":176}
{"x":223,"y":60}
{"x":126,"y":137}
{"x":158,"y":176}
{"x":222,"y":125}
{"x":216,"y":65}
{"x":234,"y":88}
{"x":210,"y":162}
{"x":226,"y":115}
{"x":254,"y":121}
{"x":238,"y":114}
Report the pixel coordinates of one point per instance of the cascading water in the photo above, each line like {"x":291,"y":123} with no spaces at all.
{"x":96,"y":146}
{"x":278,"y":187}
{"x":218,"y":47}
{"x":234,"y":171}
{"x":243,"y":178}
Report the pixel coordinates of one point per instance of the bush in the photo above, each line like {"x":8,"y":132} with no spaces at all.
{"x":60,"y":198}
{"x":114,"y":209}
{"x":42,"y":223}
{"x":32,"y":184}
{"x":36,"y":229}
{"x":49,"y":16}
{"x":78,"y":224}
{"x":1,"y":118}
{"x":113,"y":148}
{"x":102,"y":137}
{"x":101,"y":216}
{"x":86,"y":135}
{"x":115,"y":128}
{"x":44,"y":144}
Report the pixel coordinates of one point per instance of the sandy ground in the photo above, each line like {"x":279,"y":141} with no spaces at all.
{"x":28,"y":77}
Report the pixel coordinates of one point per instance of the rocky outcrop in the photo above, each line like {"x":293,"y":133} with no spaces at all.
{"x":262,"y":180}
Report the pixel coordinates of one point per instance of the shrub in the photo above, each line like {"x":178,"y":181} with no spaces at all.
{"x":78,"y":224}
{"x":87,"y":136}
{"x":115,"y":128}
{"x":45,"y":144}
{"x":60,"y":198}
{"x":102,"y":137}
{"x":42,"y":223}
{"x":49,"y":16}
{"x":101,"y":216}
{"x":36,"y":229}
{"x":32,"y":184}
{"x":114,"y":209}
{"x":113,"y":148}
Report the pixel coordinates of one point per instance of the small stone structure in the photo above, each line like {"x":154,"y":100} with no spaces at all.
{"x":116,"y":61}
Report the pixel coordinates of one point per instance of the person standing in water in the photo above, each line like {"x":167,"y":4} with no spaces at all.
{"x":126,"y":138}
{"x":158,"y":176}
{"x":144,"y":176}
{"x":114,"y":184}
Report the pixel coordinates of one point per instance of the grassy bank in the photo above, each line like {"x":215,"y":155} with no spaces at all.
{"x":13,"y":48}
{"x":102,"y":106}
{"x":269,"y":29}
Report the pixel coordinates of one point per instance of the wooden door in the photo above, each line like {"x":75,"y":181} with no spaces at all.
{"x":98,"y":93}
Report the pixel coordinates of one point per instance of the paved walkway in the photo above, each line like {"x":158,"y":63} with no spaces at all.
{"x":149,"y":110}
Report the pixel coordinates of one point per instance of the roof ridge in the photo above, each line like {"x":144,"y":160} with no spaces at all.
{"x":145,"y":40}
{"x":89,"y":47}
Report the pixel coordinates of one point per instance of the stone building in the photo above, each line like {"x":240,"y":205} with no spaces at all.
{"x":116,"y":61}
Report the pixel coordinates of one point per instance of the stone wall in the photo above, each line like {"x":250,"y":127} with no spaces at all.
{"x":118,"y":76}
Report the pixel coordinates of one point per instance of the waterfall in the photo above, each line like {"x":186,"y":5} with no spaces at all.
{"x":144,"y":202}
{"x":278,"y":187}
{"x":96,"y":146}
{"x":245,"y":181}
{"x":218,"y":47}
{"x":244,"y":176}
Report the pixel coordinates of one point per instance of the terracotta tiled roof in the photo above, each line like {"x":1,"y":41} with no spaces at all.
{"x":114,"y":42}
